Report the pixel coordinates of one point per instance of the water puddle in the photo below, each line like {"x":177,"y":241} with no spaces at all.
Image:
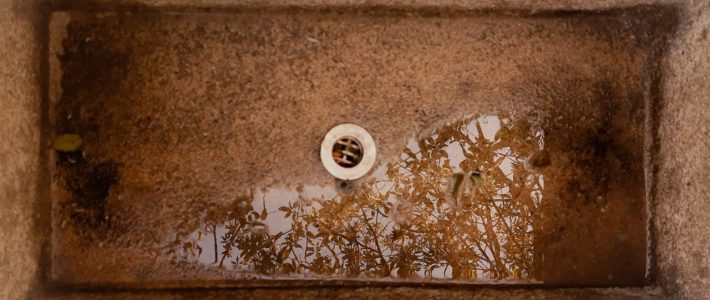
{"x":461,"y":203}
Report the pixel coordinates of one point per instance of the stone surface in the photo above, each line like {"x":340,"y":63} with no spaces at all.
{"x":682,"y":219}
{"x":20,"y":236}
{"x":458,"y":4}
{"x":378,"y":293}
{"x":680,"y":205}
{"x":245,"y":99}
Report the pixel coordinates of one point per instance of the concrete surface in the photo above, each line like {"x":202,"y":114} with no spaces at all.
{"x":245,"y":107}
{"x":21,"y":239}
{"x":682,"y":221}
{"x":375,"y":293}
{"x":680,"y":199}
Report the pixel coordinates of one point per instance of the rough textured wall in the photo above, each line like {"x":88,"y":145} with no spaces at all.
{"x":19,"y":140}
{"x":683,"y":201}
{"x":467,"y":4}
{"x":215,"y":111}
{"x":379,"y":293}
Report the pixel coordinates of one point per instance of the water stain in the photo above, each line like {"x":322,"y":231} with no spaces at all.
{"x":89,"y":185}
{"x":399,"y":223}
{"x":196,"y":110}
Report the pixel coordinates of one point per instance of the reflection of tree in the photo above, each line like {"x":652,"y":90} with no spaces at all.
{"x":405,"y":224}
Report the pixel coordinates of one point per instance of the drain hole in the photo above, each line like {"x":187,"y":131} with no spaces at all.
{"x":343,"y":152}
{"x":347,"y":152}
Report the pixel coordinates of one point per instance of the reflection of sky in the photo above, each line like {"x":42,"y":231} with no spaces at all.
{"x":489,"y":126}
{"x":275,"y":197}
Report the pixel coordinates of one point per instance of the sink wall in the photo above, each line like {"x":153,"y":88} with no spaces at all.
{"x":679,"y":203}
{"x":178,"y":138}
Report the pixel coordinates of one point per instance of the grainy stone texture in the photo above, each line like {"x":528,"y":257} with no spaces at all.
{"x":682,"y":214}
{"x":378,"y":293}
{"x":246,"y":106}
{"x":680,"y":207}
{"x":464,"y":4}
{"x":20,"y":239}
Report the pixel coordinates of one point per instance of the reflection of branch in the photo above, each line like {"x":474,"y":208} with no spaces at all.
{"x":459,"y":240}
{"x":347,"y":238}
{"x":228,"y":244}
{"x":516,"y":242}
{"x":493,"y":238}
{"x":213,"y":228}
{"x":327,"y":246}
{"x":377,"y":243}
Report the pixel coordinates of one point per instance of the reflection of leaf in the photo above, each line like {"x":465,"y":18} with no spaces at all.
{"x":454,"y":185}
{"x":264,"y":214}
{"x":476,"y":179}
{"x":409,"y":153}
{"x":410,"y":226}
{"x":283,"y":253}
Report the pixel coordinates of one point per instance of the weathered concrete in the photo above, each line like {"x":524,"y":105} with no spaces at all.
{"x":682,"y":222}
{"x":681,"y":198}
{"x":378,"y":293}
{"x":20,"y":89}
{"x":243,"y":108}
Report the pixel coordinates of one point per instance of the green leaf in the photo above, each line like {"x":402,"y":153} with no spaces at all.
{"x":67,"y":142}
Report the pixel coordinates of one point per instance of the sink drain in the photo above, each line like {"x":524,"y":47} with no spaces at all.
{"x":348,"y":151}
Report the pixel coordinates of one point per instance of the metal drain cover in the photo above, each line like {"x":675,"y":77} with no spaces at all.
{"x":348,"y":151}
